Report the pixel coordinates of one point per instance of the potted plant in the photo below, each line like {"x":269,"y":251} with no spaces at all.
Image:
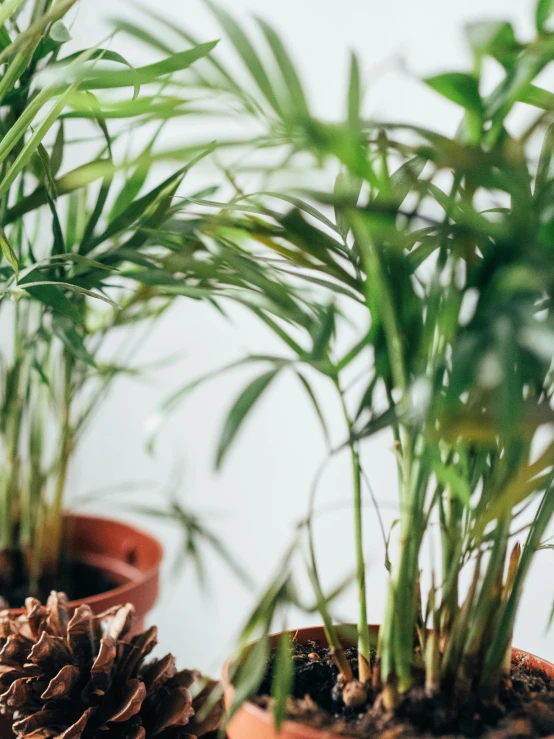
{"x":441,"y":248}
{"x":81,"y":261}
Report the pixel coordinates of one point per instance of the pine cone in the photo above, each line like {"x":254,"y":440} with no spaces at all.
{"x":85,"y":677}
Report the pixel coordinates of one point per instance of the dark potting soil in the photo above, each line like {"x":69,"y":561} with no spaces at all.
{"x":525,"y":710}
{"x":77,"y":579}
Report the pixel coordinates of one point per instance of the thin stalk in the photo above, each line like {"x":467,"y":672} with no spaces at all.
{"x":488,"y":600}
{"x":432,"y":652}
{"x":513,"y":566}
{"x":455,"y":643}
{"x":502,"y":634}
{"x":364,"y":669}
{"x":331,"y":634}
{"x":55,"y":512}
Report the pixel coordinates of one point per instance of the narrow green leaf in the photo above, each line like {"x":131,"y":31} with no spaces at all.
{"x":53,"y":297}
{"x":65,"y":331}
{"x":347,"y":190}
{"x":354,"y":102}
{"x":402,"y":182}
{"x":33,"y":143}
{"x":73,"y":288}
{"x":238,"y":413}
{"x":317,"y":407}
{"x":297,"y":104}
{"x":545,"y":170}
{"x":543,"y":13}
{"x":108,"y":79}
{"x":8,"y":252}
{"x":450,"y":478}
{"x":283,"y":678}
{"x":56,"y":158}
{"x":8,"y":9}
{"x":247,"y":53}
{"x":493,"y":38}
{"x":301,"y":205}
{"x":142,"y":34}
{"x":323,"y":334}
{"x":249,"y":676}
{"x":133,"y":184}
{"x":462,"y":89}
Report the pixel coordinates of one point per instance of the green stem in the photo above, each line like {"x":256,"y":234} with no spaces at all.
{"x":364,"y":670}
{"x":363,"y":628}
{"x":331,"y":634}
{"x":55,"y":512}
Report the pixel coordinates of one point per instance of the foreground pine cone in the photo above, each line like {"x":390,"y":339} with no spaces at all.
{"x":85,"y":677}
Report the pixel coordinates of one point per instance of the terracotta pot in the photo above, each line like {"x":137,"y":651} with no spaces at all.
{"x":253,"y":722}
{"x":128,"y":556}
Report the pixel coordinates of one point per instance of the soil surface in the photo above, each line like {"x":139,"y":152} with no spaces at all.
{"x":524,"y":710}
{"x":77,"y":579}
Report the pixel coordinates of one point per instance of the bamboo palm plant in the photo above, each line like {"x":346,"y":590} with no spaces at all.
{"x":79,"y":249}
{"x":445,"y":246}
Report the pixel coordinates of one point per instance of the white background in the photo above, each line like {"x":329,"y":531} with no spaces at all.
{"x":263,"y":488}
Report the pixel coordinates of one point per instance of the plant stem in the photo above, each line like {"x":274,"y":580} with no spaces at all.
{"x":54,"y":521}
{"x":343,"y":665}
{"x":364,"y":669}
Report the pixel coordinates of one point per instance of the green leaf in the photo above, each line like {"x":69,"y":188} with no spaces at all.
{"x":53,"y":297}
{"x":450,"y":478}
{"x":297,"y":104}
{"x":247,"y":53}
{"x":73,"y":288}
{"x":34,"y":141}
{"x":138,"y":209}
{"x":493,"y":38}
{"x":8,"y":252}
{"x":143,"y":34}
{"x":59,"y":32}
{"x":354,"y":102}
{"x":323,"y":334}
{"x":462,"y":89}
{"x":545,"y":170}
{"x":238,"y":413}
{"x":133,"y":184}
{"x":544,"y":11}
{"x":312,"y":396}
{"x":302,"y":205}
{"x":283,"y":678}
{"x":248,"y":678}
{"x":347,"y":189}
{"x":64,"y":330}
{"x":8,"y":9}
{"x":108,"y":79}
{"x":377,"y":423}
{"x":56,"y":158}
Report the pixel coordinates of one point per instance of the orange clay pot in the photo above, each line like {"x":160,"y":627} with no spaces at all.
{"x":253,"y":722}
{"x":128,"y":556}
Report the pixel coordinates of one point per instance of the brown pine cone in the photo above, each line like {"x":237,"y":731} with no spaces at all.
{"x":85,"y":677}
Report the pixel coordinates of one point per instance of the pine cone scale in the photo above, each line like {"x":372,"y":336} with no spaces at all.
{"x":61,"y":685}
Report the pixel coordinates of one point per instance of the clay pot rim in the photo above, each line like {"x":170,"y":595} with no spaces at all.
{"x":124,"y":592}
{"x":304,"y":731}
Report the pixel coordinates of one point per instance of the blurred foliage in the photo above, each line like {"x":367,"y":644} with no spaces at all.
{"x":81,"y":261}
{"x":445,"y":245}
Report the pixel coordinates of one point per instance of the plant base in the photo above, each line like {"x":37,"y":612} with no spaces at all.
{"x":526,"y":709}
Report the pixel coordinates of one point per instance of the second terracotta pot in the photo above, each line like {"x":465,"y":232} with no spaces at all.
{"x":253,"y":722}
{"x":129,"y":557}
